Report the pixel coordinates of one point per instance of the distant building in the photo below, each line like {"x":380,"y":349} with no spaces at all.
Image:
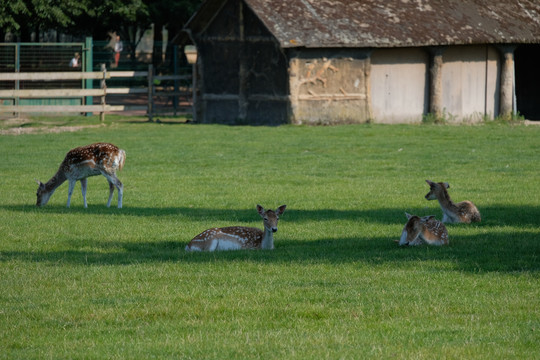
{"x":352,"y":61}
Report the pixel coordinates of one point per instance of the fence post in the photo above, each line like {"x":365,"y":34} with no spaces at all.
{"x":17,"y":69}
{"x":194,"y":84}
{"x":88,"y":66}
{"x":175,"y":67}
{"x":150,"y":92}
{"x":104,"y":88}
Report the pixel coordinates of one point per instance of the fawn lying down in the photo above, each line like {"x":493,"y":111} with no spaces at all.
{"x":427,"y":229}
{"x":462,"y":212}
{"x":239,"y":237}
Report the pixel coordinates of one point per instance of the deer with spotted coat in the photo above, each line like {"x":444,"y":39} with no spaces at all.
{"x":427,"y":229}
{"x":79,"y":164}
{"x":462,"y":212}
{"x":239,"y":237}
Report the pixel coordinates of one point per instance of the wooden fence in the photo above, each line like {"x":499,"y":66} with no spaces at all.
{"x":151,"y":90}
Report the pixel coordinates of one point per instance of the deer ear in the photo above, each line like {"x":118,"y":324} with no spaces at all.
{"x":281,"y":209}
{"x":408,"y":215}
{"x":260,"y":210}
{"x":429,"y":182}
{"x":446,"y":185}
{"x":39,"y":182}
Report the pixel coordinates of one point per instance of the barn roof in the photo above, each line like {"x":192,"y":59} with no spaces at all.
{"x":389,"y":23}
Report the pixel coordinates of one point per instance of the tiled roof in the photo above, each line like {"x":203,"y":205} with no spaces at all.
{"x":390,"y":23}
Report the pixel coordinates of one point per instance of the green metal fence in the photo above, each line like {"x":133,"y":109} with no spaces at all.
{"x":45,"y":57}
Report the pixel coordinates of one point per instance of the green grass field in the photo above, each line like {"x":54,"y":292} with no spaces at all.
{"x":114,"y":283}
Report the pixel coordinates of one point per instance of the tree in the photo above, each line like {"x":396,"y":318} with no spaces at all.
{"x":83,"y":17}
{"x":22,"y":17}
{"x":9,"y":15}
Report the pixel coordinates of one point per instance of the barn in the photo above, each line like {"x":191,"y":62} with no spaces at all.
{"x":356,"y":61}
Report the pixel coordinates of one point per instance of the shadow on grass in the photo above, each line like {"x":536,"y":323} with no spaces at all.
{"x":495,"y":215}
{"x":486,"y":252}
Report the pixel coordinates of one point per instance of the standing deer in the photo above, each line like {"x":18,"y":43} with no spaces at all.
{"x":81,"y":163}
{"x":465,"y":211}
{"x":239,"y":237}
{"x":427,"y":228}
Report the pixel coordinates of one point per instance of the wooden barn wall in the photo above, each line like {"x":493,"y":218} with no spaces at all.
{"x":399,"y":85}
{"x":329,"y":86}
{"x":470,"y":77}
{"x":242,"y":69}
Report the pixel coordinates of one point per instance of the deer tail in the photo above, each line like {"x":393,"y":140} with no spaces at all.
{"x":122,"y":159}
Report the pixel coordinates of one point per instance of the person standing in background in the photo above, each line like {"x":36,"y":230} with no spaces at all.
{"x":118,"y":47}
{"x":75,"y":61}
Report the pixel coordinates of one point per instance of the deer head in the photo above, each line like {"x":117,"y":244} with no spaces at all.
{"x":436,"y":189}
{"x":43,"y":196}
{"x":270,"y":217}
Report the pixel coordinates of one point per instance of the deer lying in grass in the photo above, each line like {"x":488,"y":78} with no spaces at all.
{"x":463,"y":212}
{"x":239,"y":237}
{"x":81,"y":163}
{"x":427,"y":228}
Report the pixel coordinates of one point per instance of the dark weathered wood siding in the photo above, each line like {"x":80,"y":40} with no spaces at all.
{"x":242,"y":69}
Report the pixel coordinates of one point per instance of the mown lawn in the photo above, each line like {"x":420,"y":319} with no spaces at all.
{"x":116,"y":283}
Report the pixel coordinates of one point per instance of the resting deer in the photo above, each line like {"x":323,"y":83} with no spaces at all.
{"x":81,"y":163}
{"x":463,"y":212}
{"x":239,"y":237}
{"x":425,"y":228}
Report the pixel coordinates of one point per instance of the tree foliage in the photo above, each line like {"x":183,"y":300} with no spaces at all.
{"x":94,"y":17}
{"x":22,"y":17}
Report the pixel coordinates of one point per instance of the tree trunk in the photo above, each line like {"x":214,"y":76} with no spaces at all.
{"x":26,"y":34}
{"x":157,"y":53}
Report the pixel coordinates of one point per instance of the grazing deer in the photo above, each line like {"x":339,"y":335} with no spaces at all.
{"x":465,"y":211}
{"x":81,"y":163}
{"x":427,"y":228}
{"x":239,"y":237}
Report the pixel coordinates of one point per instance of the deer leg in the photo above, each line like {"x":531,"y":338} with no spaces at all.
{"x":416,"y":241}
{"x":70,"y":191}
{"x":111,"y":191}
{"x":116,"y":182}
{"x":84,"y":183}
{"x":214,"y":245}
{"x":120,"y":188}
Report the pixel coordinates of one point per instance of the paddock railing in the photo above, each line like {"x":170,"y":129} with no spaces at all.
{"x":152,"y":91}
